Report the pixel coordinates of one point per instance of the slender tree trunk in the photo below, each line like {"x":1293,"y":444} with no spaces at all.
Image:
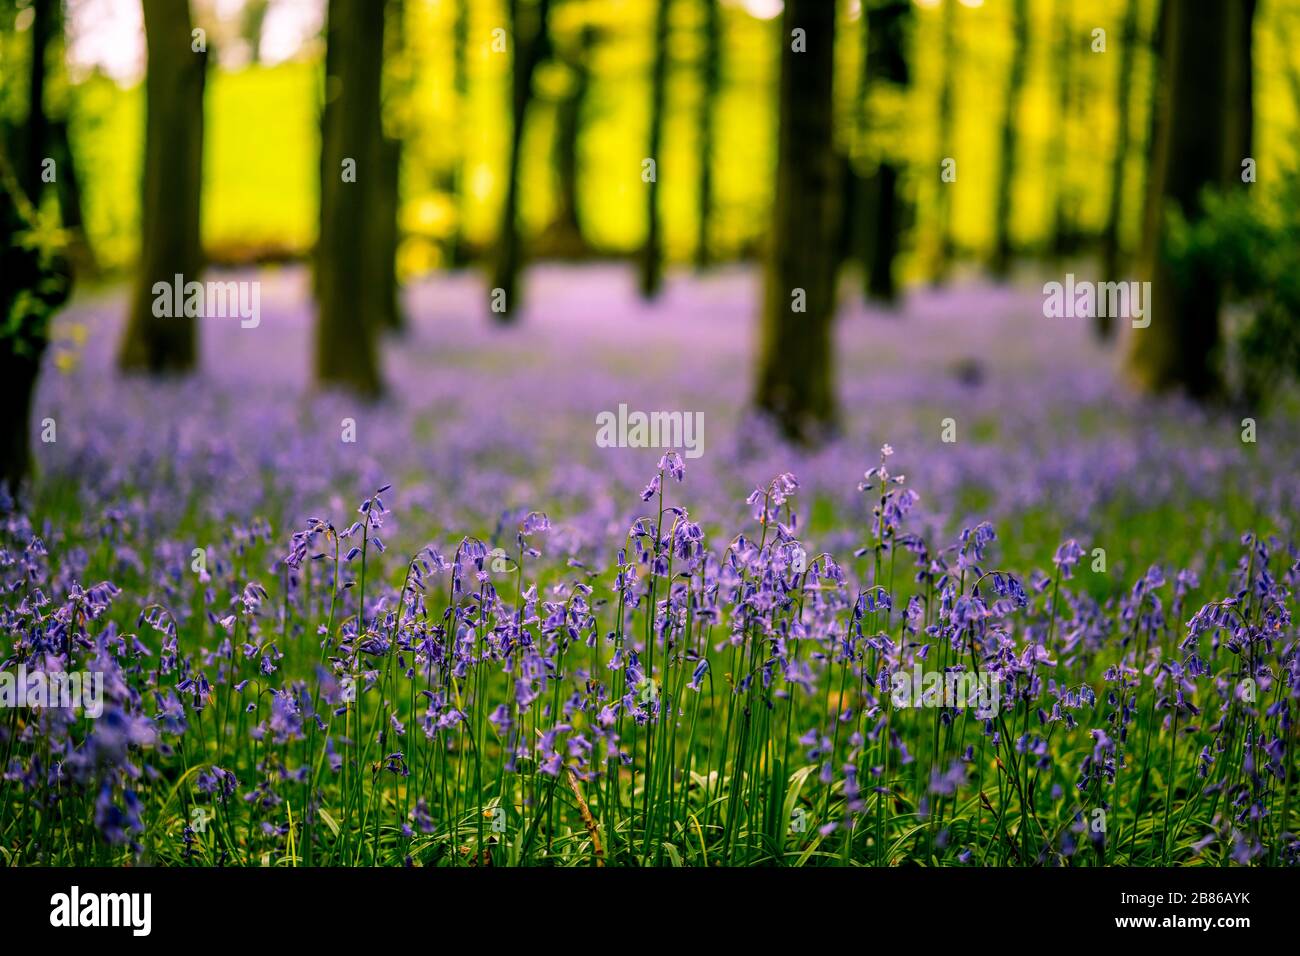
{"x":1152,"y":212}
{"x":460,"y":84}
{"x":795,"y":367}
{"x":1110,"y":243}
{"x":37,"y":133}
{"x":388,"y":313}
{"x":1062,"y":219}
{"x":710,"y":83}
{"x":876,"y":196}
{"x":1195,"y":147}
{"x":563,"y":237}
{"x":30,"y":290}
{"x":1240,"y":132}
{"x":943,"y":218}
{"x":1002,"y":246}
{"x":68,"y":184}
{"x":351,"y":286}
{"x":652,"y":253}
{"x":170,"y":243}
{"x":529,"y":43}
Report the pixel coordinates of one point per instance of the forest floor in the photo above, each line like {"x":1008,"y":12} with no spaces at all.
{"x":481,"y":419}
{"x":1060,"y":547}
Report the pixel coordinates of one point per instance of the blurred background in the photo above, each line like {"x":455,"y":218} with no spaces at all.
{"x":823,"y":196}
{"x":446,"y":99}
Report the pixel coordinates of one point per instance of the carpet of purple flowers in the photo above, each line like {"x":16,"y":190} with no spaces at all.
{"x":524,"y":649}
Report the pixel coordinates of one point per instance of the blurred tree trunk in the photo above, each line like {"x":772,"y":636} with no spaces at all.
{"x":1110,"y":241}
{"x":45,"y":134}
{"x":1002,"y":250}
{"x":388,"y":314}
{"x":943,"y":217}
{"x":1197,"y":145}
{"x":456,"y":254}
{"x":351,"y":285}
{"x":652,"y":253}
{"x":70,"y":206}
{"x":170,"y":243}
{"x":33,"y":283}
{"x":1151,"y":211}
{"x":795,"y":368}
{"x":710,"y":83}
{"x":876,"y":195}
{"x":530,"y":41}
{"x":1240,"y":132}
{"x":1062,"y":219}
{"x":563,"y":237}
{"x":251,"y":19}
{"x":37,"y":132}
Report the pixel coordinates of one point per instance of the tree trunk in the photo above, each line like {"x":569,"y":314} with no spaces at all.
{"x":1002,"y":250}
{"x":795,"y":368}
{"x":170,"y":243}
{"x":1194,"y":148}
{"x":388,"y":314}
{"x":30,"y":290}
{"x":652,"y":253}
{"x":529,"y":42}
{"x":1110,"y":242}
{"x":1062,"y":219}
{"x":37,"y":132}
{"x":563,"y":237}
{"x":351,"y":284}
{"x":710,"y":83}
{"x":943,"y":217}
{"x":1152,"y":211}
{"x":456,"y":254}
{"x":876,"y":196}
{"x":1239,"y":134}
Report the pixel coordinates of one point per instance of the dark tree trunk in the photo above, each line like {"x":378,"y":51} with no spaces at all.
{"x":59,"y":147}
{"x":30,"y":290}
{"x":37,"y":133}
{"x":876,"y":196}
{"x":1062,"y":241}
{"x":1239,"y":134}
{"x":529,"y":43}
{"x":1002,"y":246}
{"x":70,"y":206}
{"x":388,"y":314}
{"x":1110,"y":241}
{"x":170,"y":243}
{"x":456,"y":254}
{"x":1196,"y":145}
{"x":652,"y":253}
{"x":352,"y":286}
{"x":795,"y":367}
{"x":1151,"y":210}
{"x":943,"y":218}
{"x":710,"y":83}
{"x":563,"y":237}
